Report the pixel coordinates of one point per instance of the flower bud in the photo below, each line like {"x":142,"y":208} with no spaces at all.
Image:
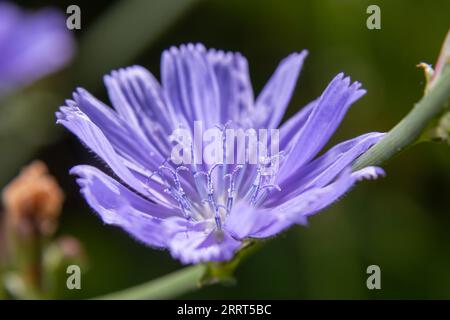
{"x":33,"y":200}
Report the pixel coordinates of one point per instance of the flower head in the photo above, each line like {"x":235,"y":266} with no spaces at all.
{"x":204,"y":211}
{"x":32,"y":45}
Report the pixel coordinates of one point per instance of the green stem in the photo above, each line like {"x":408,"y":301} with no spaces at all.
{"x":410,"y":127}
{"x":403,"y":134}
{"x":171,"y":285}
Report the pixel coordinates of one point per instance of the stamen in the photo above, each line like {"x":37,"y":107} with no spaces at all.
{"x":174,"y":174}
{"x":158,"y":172}
{"x":178,"y":193}
{"x":183,"y":205}
{"x":200,"y":187}
{"x":223,"y":168}
{"x":217,"y":217}
{"x":274,"y":186}
{"x":253,"y":191}
{"x":252,"y":183}
{"x":211,"y":199}
{"x":231,"y":187}
{"x":264,"y":192}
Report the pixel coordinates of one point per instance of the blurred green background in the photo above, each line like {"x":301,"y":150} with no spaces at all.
{"x":400,"y":223}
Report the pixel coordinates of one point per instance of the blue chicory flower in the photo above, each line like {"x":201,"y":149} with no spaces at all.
{"x":32,"y":45}
{"x":205,"y":213}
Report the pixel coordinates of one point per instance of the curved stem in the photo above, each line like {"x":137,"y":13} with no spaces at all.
{"x":411,"y":126}
{"x":171,"y":285}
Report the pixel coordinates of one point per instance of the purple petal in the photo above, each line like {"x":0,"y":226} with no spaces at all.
{"x":196,"y":242}
{"x":190,"y":85}
{"x":124,"y":137}
{"x":325,"y":168}
{"x":121,"y":207}
{"x":266,"y":222}
{"x":319,"y":198}
{"x":291,"y":128}
{"x":275,"y":96}
{"x":323,"y":121}
{"x":245,"y":220}
{"x":233,"y":80}
{"x":138,"y":99}
{"x":80,"y":125}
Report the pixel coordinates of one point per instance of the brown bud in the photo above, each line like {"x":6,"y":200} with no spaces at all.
{"x":33,"y":200}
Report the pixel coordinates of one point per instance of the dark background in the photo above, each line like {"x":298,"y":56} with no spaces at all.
{"x":400,"y":223}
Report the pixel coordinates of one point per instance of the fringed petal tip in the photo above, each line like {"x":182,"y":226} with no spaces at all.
{"x":300,"y":56}
{"x":182,"y":49}
{"x":194,"y":242}
{"x":71,"y":107}
{"x":134,"y":71}
{"x":354,"y":88}
{"x":369,"y":173}
{"x":117,"y":205}
{"x":65,"y":112}
{"x":80,"y":95}
{"x":77,"y":170}
{"x":192,"y":247}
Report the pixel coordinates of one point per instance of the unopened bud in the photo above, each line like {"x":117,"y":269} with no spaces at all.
{"x":33,"y":200}
{"x":433,"y":75}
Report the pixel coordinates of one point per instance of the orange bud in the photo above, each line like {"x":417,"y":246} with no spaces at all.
{"x":33,"y":200}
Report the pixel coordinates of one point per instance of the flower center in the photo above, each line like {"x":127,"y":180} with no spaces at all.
{"x":213,"y":192}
